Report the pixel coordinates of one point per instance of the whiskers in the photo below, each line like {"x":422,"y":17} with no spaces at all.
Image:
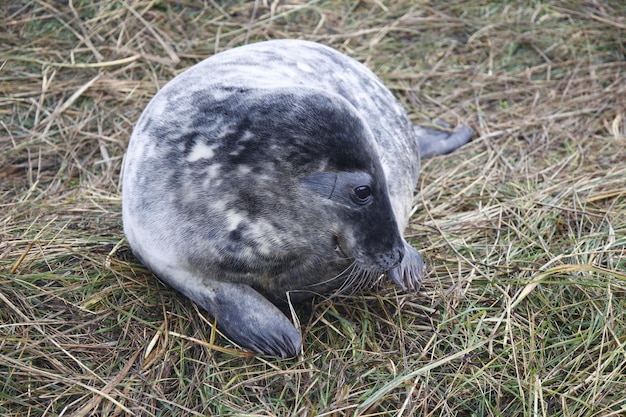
{"x":409,"y":274}
{"x":358,"y":279}
{"x":352,"y":279}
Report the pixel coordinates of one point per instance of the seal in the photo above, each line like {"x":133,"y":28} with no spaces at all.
{"x":271,"y":172}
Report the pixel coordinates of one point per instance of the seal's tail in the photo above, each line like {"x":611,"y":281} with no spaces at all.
{"x":441,"y":139}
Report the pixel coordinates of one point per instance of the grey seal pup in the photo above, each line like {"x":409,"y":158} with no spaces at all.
{"x":269,"y":173}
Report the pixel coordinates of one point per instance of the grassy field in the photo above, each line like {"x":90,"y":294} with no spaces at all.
{"x":524,"y":229}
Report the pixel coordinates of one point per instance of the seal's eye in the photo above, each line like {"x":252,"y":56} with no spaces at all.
{"x":362,"y":194}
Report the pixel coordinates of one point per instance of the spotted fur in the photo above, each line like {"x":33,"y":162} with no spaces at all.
{"x":269,"y":172}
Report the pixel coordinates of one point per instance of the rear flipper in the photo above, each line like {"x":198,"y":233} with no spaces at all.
{"x":409,"y":274}
{"x":434,"y":141}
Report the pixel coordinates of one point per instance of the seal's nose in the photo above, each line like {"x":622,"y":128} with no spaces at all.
{"x":391,"y":259}
{"x":398,"y":256}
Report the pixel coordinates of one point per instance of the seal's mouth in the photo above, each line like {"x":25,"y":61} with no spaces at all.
{"x":338,"y":248}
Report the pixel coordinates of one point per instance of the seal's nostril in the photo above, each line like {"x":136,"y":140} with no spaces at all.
{"x":396,"y":259}
{"x":400,"y":255}
{"x":338,"y":248}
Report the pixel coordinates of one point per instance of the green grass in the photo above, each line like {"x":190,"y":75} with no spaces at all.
{"x":524,"y":230}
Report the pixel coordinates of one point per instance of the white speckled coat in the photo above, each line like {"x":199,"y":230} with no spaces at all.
{"x":282,"y":167}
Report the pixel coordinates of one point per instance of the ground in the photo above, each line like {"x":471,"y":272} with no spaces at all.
{"x":524,"y":229}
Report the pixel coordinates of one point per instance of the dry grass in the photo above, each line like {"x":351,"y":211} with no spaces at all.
{"x":525,"y":229}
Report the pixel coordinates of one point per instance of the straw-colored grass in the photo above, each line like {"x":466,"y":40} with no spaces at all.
{"x":522,"y":312}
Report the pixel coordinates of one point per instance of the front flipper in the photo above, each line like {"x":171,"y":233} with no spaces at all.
{"x":435,"y":141}
{"x":245,"y":316}
{"x":409,"y":274}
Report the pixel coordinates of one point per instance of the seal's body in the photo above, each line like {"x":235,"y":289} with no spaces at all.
{"x":269,"y":173}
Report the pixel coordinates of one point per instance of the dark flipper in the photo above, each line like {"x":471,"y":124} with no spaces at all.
{"x":245,"y":316}
{"x":434,"y":141}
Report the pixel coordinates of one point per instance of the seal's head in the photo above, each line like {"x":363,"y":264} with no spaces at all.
{"x":303,"y":189}
{"x":340,"y":171}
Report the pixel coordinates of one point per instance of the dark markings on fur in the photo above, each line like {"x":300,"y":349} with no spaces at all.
{"x":277,"y":170}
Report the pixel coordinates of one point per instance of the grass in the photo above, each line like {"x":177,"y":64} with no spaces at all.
{"x":522,"y":312}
